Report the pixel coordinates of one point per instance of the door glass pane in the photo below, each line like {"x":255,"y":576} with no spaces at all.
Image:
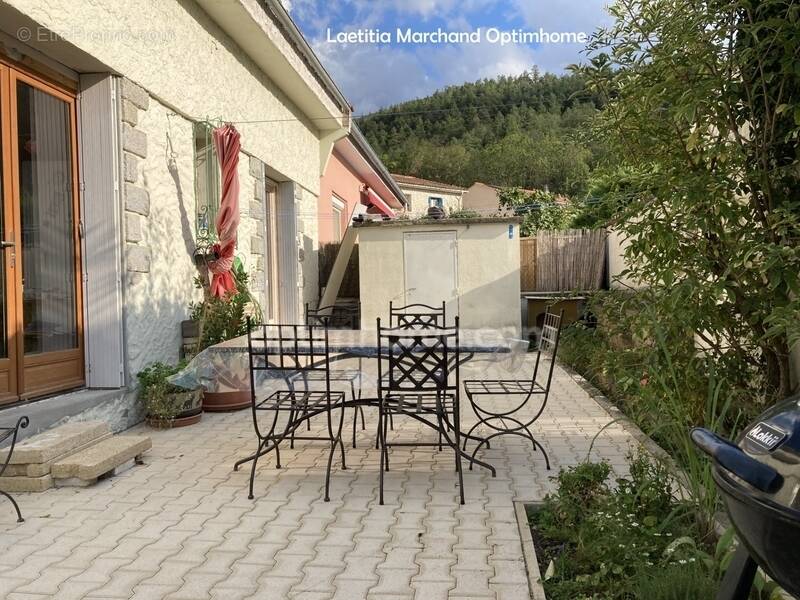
{"x":46,"y":195}
{"x":3,"y":307}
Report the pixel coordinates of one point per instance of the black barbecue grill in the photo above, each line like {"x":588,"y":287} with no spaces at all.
{"x":759,"y":480}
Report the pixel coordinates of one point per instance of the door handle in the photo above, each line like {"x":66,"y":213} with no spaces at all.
{"x":4,"y":244}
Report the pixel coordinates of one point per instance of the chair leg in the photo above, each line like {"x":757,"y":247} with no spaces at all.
{"x":380,"y":443}
{"x":459,"y":468}
{"x":16,"y":506}
{"x":328,"y":472}
{"x":261,"y":444}
{"x":355,"y":424}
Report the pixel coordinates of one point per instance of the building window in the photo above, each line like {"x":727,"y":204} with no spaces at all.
{"x":337,"y":209}
{"x":435,"y":201}
{"x":206,"y":181}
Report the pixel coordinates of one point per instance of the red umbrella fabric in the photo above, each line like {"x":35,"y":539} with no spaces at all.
{"x":227,"y":144}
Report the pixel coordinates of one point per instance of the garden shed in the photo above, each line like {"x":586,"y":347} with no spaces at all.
{"x":472,"y":264}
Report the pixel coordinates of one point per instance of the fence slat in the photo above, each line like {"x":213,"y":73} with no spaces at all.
{"x":561,"y":261}
{"x":528,"y":264}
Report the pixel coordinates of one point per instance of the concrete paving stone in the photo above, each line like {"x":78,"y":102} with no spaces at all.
{"x":399,"y":557}
{"x":432,"y":590}
{"x":351,"y":589}
{"x":274,"y":587}
{"x":145,"y":591}
{"x":435,"y":569}
{"x":511,"y":591}
{"x":472,"y":583}
{"x":317,"y":579}
{"x":121,"y":585}
{"x":196,"y":585}
{"x":261,"y":554}
{"x":49,"y":584}
{"x":9,"y":584}
{"x":218,"y":562}
{"x":509,"y":571}
{"x":393,"y":581}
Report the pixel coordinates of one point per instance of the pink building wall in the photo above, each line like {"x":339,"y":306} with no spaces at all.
{"x":343,"y":182}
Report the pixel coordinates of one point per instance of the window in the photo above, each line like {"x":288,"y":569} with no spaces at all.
{"x":206,"y":181}
{"x":337,"y":209}
{"x":435,"y":201}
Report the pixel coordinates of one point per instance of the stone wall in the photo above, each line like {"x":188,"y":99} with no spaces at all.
{"x":136,"y":197}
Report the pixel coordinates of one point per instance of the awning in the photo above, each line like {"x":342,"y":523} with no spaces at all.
{"x":376,"y":201}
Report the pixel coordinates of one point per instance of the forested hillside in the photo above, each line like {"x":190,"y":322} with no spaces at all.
{"x":510,"y":131}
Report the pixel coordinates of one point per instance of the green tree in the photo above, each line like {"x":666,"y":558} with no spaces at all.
{"x":539,"y":210}
{"x":703,"y":109}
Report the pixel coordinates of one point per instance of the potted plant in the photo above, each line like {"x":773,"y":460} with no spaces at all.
{"x":167,"y":405}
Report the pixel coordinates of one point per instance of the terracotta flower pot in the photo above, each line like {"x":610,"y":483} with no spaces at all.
{"x":226,"y":401}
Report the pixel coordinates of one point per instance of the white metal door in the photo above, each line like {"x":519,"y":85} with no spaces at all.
{"x":431,"y":269}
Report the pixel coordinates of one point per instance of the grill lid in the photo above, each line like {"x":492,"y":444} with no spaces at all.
{"x":766,"y":461}
{"x":773,"y":439}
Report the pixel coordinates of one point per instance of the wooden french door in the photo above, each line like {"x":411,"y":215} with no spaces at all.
{"x":41,"y":329}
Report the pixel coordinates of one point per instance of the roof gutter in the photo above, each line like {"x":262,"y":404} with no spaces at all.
{"x":375,"y":162}
{"x":285,"y":20}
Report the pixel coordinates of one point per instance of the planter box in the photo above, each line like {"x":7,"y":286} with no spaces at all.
{"x":529,"y":550}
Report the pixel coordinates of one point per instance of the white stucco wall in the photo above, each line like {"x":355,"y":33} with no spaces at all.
{"x":174,"y":51}
{"x":616,"y":262}
{"x":157,"y":301}
{"x":418,"y":200}
{"x":488,"y":271}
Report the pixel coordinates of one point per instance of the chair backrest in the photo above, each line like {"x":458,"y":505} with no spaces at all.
{"x":548,"y":345}
{"x":334,"y":316}
{"x":417,"y":316}
{"x":424,"y":361}
{"x":282,"y":350}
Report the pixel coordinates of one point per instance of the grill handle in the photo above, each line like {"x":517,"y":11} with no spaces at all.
{"x":732,"y":458}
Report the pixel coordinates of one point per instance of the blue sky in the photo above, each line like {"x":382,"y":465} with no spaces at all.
{"x":378,"y":75}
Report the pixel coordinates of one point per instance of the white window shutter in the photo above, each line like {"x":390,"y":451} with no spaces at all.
{"x":288,"y":267}
{"x":99,"y":150}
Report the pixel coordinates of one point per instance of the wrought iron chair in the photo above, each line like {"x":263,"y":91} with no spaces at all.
{"x":417,"y":316}
{"x":5,"y":434}
{"x":415,"y":379}
{"x":282,"y":351}
{"x":508,"y":419}
{"x":340,"y":317}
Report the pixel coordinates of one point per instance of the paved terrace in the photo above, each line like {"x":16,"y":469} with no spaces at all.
{"x":181,"y":526}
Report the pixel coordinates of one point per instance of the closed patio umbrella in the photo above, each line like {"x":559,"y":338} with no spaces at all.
{"x":227,"y":145}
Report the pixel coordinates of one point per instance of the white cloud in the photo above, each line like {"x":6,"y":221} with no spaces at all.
{"x":377,"y":76}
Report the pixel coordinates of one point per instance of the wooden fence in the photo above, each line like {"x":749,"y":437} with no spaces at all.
{"x":561,"y":261}
{"x":327,"y":256}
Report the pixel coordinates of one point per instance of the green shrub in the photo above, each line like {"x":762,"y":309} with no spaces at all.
{"x":599,"y":540}
{"x":223,"y":319}
{"x":158,"y":394}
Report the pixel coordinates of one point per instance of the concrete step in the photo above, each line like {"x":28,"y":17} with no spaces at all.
{"x":103,"y":459}
{"x":26,"y":484}
{"x":54,"y":443}
{"x":41,"y":469}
